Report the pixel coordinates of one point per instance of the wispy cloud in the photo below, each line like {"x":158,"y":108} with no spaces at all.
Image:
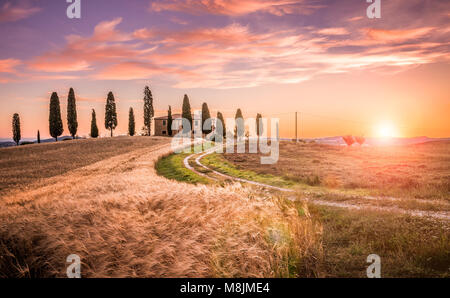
{"x":237,"y":7}
{"x":240,"y":53}
{"x":8,"y":70}
{"x":233,"y":56}
{"x":13,"y":11}
{"x":390,"y":35}
{"x":333,"y":31}
{"x":9,"y":65}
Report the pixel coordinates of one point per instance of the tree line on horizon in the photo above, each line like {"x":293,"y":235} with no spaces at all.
{"x":56,"y":125}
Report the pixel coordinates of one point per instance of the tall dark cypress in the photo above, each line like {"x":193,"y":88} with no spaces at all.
{"x":72,"y":122}
{"x":94,"y":128}
{"x":169,"y":121}
{"x":38,"y":137}
{"x":205,"y":115}
{"x":131,"y":123}
{"x":259,"y":125}
{"x":239,"y":131}
{"x":186,"y":112}
{"x":55,"y":122}
{"x":221,"y":121}
{"x":149,"y":112}
{"x":16,"y":128}
{"x":110,"y":113}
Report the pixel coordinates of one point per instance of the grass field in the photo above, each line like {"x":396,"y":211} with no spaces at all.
{"x":108,"y":201}
{"x":409,"y":245}
{"x":416,"y":171}
{"x":124,"y":220}
{"x":170,"y":166}
{"x":26,"y":164}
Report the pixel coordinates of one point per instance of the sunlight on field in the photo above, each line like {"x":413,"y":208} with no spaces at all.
{"x":124,"y":220}
{"x":411,"y":171}
{"x":386,"y":130}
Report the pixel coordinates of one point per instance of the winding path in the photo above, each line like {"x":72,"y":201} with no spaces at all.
{"x":420,"y":213}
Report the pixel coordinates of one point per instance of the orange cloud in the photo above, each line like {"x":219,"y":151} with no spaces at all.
{"x":333,"y":31}
{"x":8,"y":70}
{"x":13,"y":12}
{"x":8,"y":65}
{"x":80,"y":53}
{"x":50,"y":63}
{"x":233,"y":56}
{"x":129,"y":71}
{"x":397,"y":35}
{"x":236,"y":7}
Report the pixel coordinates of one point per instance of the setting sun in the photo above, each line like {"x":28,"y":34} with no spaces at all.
{"x":386,"y":130}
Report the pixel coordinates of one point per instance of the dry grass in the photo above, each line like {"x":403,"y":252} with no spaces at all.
{"x":24,"y":165}
{"x":126,"y":221}
{"x":408,"y":246}
{"x":419,"y":171}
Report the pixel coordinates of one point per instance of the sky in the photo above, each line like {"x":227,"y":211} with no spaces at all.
{"x":341,"y":71}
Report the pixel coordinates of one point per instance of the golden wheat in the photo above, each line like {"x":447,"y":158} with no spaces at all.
{"x":124,"y":220}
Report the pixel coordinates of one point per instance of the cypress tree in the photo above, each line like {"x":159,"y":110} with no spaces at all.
{"x":16,"y":128}
{"x":169,"y":121}
{"x":55,"y":122}
{"x":131,"y":124}
{"x":148,"y":109}
{"x":259,"y":125}
{"x":224,"y":130}
{"x":38,"y":137}
{"x":72,"y":122}
{"x":94,"y":128}
{"x":205,"y":115}
{"x":110,"y":113}
{"x":186,"y":112}
{"x":239,"y":132}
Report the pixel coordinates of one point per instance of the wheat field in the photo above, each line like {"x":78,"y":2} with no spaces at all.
{"x":124,"y":220}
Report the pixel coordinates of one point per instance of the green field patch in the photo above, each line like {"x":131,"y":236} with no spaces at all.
{"x":218,"y":163}
{"x":172,"y":167}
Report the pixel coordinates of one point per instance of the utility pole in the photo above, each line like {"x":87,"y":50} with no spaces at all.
{"x":296,"y":139}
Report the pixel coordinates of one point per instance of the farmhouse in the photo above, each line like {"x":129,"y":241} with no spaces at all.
{"x":161,"y":123}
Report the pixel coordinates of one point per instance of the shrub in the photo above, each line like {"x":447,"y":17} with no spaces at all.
{"x":348,"y":140}
{"x":313,"y":180}
{"x":360,"y":140}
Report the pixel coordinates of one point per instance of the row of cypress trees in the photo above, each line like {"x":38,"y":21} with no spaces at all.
{"x":187,"y":114}
{"x":56,"y":125}
{"x":55,"y":121}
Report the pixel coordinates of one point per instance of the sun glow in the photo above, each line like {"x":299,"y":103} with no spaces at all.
{"x":386,"y":130}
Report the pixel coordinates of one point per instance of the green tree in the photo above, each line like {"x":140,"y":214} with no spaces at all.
{"x":239,"y":131}
{"x":72,"y":122}
{"x":131,"y":123}
{"x":221,"y":121}
{"x":55,"y":122}
{"x":259,"y":125}
{"x":186,"y":112}
{"x":16,"y":128}
{"x":149,"y":112}
{"x":169,"y":121}
{"x":205,"y":115}
{"x":94,"y":128}
{"x":110,"y":113}
{"x":38,"y":137}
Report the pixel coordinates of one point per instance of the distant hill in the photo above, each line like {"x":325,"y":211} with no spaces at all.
{"x":379,"y":141}
{"x":9,"y":142}
{"x":338,"y":141}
